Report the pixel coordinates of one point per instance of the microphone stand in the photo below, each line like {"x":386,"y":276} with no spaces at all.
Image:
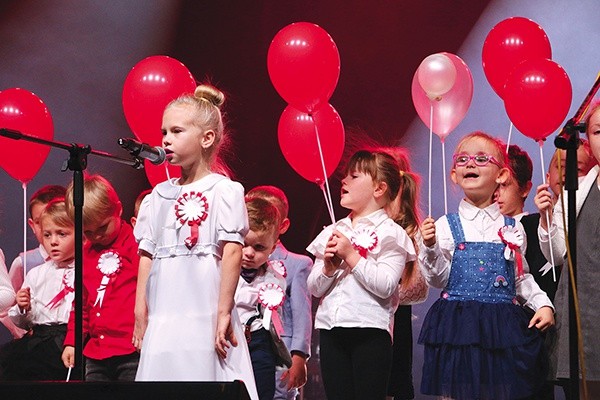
{"x":568,"y":140}
{"x":77,"y":162}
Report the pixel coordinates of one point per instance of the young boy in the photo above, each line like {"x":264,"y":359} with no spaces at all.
{"x":34,"y":257}
{"x":43,"y":304}
{"x":137,"y":204}
{"x":297,"y":320}
{"x":260,"y":291}
{"x":39,"y":255}
{"x":110,"y":262}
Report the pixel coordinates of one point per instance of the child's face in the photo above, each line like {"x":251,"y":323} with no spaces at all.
{"x":478,"y":180}
{"x":593,"y":131}
{"x":258,"y":246}
{"x":59,"y":241}
{"x":103,"y":232}
{"x":182,"y":139}
{"x":34,"y":221}
{"x":511,"y":198}
{"x":357,"y":190}
{"x":584,"y":163}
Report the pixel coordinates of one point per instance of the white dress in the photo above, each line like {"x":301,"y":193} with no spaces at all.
{"x":183,"y":285}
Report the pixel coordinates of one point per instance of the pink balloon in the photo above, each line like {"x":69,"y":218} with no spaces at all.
{"x":297,"y":134}
{"x":436,"y":75}
{"x":451,"y":109}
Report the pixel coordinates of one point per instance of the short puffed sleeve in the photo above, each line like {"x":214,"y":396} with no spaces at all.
{"x":232,"y":217}
{"x":144,"y":228}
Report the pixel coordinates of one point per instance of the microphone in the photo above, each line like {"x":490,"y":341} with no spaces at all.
{"x":155,"y":154}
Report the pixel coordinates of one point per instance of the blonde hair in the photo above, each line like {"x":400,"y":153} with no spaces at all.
{"x":56,"y":210}
{"x":100,"y":200}
{"x":206,"y":102}
{"x":594,"y":107}
{"x":499,"y":146}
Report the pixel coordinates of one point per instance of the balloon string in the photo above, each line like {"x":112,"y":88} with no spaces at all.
{"x":541,"y":142}
{"x":509,"y":136}
{"x":444,"y":175}
{"x":24,"y":229}
{"x":430,"y":145}
{"x":326,"y":193}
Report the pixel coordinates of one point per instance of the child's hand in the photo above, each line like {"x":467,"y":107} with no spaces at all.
{"x":544,"y":202}
{"x":224,"y":337}
{"x":24,"y":299}
{"x":428,"y":231}
{"x":542,"y":319}
{"x":340,"y":249}
{"x":139,"y":327}
{"x":68,"y":356}
{"x":296,"y":376}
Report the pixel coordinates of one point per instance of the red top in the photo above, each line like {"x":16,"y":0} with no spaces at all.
{"x":108,"y":297}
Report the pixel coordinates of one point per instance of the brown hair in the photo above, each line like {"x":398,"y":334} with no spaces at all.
{"x":381,"y":166}
{"x":263,"y":216}
{"x":520,"y":166}
{"x":45,"y":194}
{"x":274,"y":195}
{"x":138,"y":201}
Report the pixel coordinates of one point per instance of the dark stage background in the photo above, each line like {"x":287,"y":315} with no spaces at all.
{"x":75,"y":55}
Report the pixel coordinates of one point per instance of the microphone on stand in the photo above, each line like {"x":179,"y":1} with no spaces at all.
{"x":155,"y":154}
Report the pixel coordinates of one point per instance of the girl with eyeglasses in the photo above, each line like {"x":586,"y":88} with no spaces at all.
{"x":479,"y":342}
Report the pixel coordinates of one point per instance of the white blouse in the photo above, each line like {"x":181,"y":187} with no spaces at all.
{"x":362,"y":297}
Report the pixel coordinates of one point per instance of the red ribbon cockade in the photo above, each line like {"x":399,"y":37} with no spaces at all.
{"x":513,"y":239}
{"x":364,"y":240}
{"x":67,"y":287}
{"x":191,"y":209}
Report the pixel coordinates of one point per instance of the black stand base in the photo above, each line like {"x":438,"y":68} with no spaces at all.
{"x":235,"y":390}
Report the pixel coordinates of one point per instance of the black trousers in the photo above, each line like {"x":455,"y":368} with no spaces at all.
{"x":355,"y":363}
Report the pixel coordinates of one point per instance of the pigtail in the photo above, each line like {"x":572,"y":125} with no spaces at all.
{"x":407,"y":216}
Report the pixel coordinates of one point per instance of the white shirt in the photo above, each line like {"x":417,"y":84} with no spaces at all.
{"x":45,"y":282}
{"x":362,"y":297}
{"x":479,"y":225}
{"x":246,"y":296}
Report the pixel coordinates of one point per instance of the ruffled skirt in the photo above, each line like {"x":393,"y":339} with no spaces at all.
{"x":476,"y":350}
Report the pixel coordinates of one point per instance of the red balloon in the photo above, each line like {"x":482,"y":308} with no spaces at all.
{"x":304,"y":65}
{"x":149,"y":87}
{"x":450,"y":109}
{"x":157,"y":174}
{"x":537,"y":97}
{"x":23,"y":111}
{"x":297,"y":133}
{"x":509,"y":43}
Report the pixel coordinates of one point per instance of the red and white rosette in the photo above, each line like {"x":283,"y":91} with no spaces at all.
{"x":278,"y":267}
{"x":364,"y":240}
{"x":270,"y":296}
{"x":67,"y":287}
{"x":513,"y":239}
{"x":109,"y":264}
{"x":191,"y":209}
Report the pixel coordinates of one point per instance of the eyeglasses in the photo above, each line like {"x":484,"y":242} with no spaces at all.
{"x":481,"y":160}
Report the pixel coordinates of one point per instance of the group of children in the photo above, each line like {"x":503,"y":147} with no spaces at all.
{"x":201,"y":289}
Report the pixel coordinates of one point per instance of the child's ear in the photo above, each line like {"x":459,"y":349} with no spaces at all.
{"x":527,"y":189}
{"x":453,"y":175}
{"x":208,"y":139}
{"x":285,"y":225}
{"x":31,"y":224}
{"x":380,"y":189}
{"x":503,"y":176}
